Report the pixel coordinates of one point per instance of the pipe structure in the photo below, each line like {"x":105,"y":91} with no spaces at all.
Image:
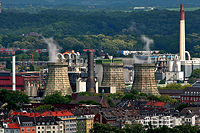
{"x":13,"y":76}
{"x":182,"y":33}
{"x":90,"y":84}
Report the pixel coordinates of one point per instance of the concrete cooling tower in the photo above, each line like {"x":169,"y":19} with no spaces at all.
{"x":58,"y":79}
{"x":113,"y":74}
{"x":144,"y":78}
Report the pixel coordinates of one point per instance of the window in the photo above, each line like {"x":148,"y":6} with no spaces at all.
{"x":38,"y":127}
{"x":33,"y":129}
{"x":48,"y":131}
{"x":38,"y":131}
{"x":48,"y":127}
{"x":22,"y":129}
{"x":42,"y":127}
{"x":28,"y":129}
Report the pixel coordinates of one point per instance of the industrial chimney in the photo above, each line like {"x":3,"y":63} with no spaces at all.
{"x":90,"y":84}
{"x":182,"y":33}
{"x":13,"y":76}
{"x":0,"y":6}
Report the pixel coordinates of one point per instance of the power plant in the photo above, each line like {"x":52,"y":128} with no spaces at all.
{"x":90,"y":84}
{"x":182,"y":33}
{"x":0,"y":6}
{"x":144,"y":78}
{"x":58,"y":79}
{"x":112,"y":73}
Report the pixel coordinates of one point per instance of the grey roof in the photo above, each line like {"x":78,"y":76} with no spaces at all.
{"x":196,"y":84}
{"x":163,"y":91}
{"x":46,"y":121}
{"x":24,"y":119}
{"x":86,"y":98}
{"x":192,"y":91}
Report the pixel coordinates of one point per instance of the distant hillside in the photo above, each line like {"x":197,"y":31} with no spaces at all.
{"x":105,"y":2}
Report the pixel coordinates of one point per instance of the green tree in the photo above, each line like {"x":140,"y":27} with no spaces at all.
{"x":117,"y":95}
{"x":134,"y":92}
{"x":135,"y":128}
{"x":175,"y":86}
{"x":181,"y":107}
{"x":85,"y":94}
{"x":110,"y":102}
{"x":195,"y":75}
{"x":5,"y":96}
{"x":45,"y":107}
{"x":167,"y":98}
{"x":103,"y":128}
{"x":55,"y":98}
{"x":8,"y":64}
{"x":32,"y":68}
{"x":19,"y":97}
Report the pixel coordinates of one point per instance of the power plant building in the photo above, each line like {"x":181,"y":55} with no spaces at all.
{"x":112,"y":73}
{"x":144,"y":78}
{"x":58,"y":79}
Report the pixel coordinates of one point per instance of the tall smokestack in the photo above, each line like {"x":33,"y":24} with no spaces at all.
{"x":90,"y":84}
{"x":182,"y":33}
{"x":13,"y":71}
{"x":0,"y":6}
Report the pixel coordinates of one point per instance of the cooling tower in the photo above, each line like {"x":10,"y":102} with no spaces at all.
{"x":113,"y":74}
{"x":90,"y":84}
{"x":144,"y":78}
{"x":58,"y":79}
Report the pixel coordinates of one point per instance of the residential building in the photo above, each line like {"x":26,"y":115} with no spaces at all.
{"x":47,"y":125}
{"x":81,"y":124}
{"x":27,"y":124}
{"x":12,"y":128}
{"x":190,"y":95}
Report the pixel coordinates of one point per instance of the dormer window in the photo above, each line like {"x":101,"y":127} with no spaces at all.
{"x":191,"y":93}
{"x":43,"y":123}
{"x":47,"y":123}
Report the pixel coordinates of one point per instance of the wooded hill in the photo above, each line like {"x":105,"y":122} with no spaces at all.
{"x":110,"y":31}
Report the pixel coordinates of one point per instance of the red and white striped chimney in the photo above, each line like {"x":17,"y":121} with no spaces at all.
{"x":182,"y":33}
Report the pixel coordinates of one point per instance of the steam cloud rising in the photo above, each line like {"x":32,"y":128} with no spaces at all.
{"x":147,"y":42}
{"x":53,"y":49}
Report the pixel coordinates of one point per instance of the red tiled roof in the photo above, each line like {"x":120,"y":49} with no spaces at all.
{"x":160,"y":104}
{"x":46,"y":113}
{"x":13,"y":125}
{"x":156,"y":104}
{"x":7,"y":120}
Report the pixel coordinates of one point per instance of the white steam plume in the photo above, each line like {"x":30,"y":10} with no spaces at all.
{"x":147,"y":46}
{"x":53,"y":49}
{"x":147,"y":42}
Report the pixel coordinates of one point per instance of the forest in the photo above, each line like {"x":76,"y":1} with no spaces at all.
{"x":108,"y":31}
